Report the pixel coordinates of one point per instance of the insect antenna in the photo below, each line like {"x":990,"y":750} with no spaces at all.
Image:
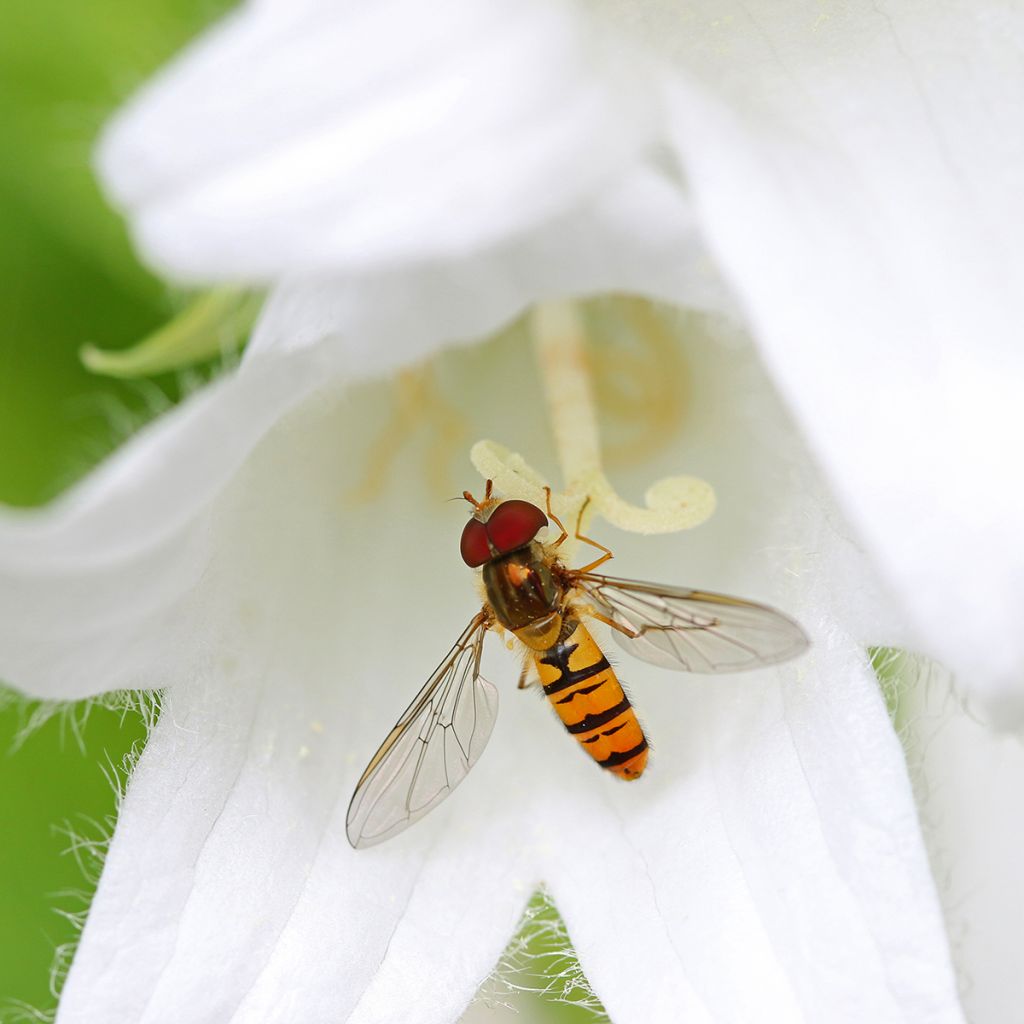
{"x":488,"y":489}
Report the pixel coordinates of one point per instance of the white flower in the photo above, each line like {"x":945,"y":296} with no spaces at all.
{"x":853,"y":170}
{"x":292,"y":624}
{"x":407,"y":179}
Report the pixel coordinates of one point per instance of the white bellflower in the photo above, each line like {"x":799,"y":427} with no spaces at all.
{"x":407,"y":180}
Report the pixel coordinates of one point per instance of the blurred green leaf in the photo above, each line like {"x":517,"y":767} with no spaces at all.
{"x":68,"y":271}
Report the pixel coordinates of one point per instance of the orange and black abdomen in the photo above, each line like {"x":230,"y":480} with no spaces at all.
{"x":584,"y":690}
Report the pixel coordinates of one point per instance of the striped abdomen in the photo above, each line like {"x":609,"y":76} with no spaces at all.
{"x":584,"y":690}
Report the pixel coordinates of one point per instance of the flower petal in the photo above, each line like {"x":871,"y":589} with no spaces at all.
{"x":774,"y":839}
{"x":326,"y":137}
{"x":470,"y":894}
{"x":100,"y":590}
{"x":635,"y":235}
{"x":784,"y":851}
{"x":229,"y":877}
{"x":968,"y":786}
{"x":857,"y":173}
{"x":230,"y":891}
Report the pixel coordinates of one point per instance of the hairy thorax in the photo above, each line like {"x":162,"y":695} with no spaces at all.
{"x":526,"y":596}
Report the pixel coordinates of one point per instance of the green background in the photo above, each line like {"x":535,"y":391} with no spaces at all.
{"x":69,"y":277}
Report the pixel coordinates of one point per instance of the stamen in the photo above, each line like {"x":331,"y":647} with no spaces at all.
{"x":418,"y":402}
{"x":640,"y":378}
{"x":672,"y":503}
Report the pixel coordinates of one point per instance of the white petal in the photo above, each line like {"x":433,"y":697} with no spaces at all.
{"x":777,"y":843}
{"x":230,"y":891}
{"x":99,"y":590}
{"x":637,"y":235}
{"x":325,"y":136}
{"x":470,"y":894}
{"x":769,"y":865}
{"x":230,"y":877}
{"x":857,"y":173}
{"x":969,"y":784}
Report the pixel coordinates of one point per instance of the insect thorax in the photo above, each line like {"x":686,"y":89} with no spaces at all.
{"x":521,"y":588}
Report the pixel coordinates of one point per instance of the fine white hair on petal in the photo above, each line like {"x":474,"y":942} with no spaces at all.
{"x":636,"y":235}
{"x":968,"y":785}
{"x":857,"y":175}
{"x":336,"y":136}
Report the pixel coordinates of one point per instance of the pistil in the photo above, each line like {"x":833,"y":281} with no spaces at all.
{"x":672,"y":503}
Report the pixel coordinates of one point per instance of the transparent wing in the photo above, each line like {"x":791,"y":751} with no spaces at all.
{"x":693,"y":630}
{"x":431,"y":748}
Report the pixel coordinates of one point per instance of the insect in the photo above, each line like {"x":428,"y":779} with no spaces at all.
{"x":531,"y":593}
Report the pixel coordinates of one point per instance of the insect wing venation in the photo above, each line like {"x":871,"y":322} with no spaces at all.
{"x":431,"y":748}
{"x":694,"y":630}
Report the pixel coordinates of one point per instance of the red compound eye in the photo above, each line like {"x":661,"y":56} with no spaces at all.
{"x":513,"y":524}
{"x":474,"y":544}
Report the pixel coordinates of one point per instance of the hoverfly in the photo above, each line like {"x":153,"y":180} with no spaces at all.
{"x":531,"y":593}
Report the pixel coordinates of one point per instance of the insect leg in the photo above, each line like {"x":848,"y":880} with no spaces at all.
{"x":593,"y":543}
{"x":524,"y":678}
{"x":558,"y":522}
{"x":595,"y":614}
{"x":484,"y":618}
